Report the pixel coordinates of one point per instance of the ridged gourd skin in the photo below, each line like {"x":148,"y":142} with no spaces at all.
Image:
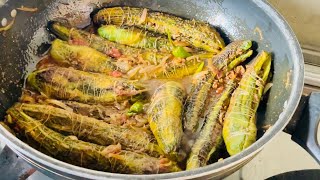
{"x":234,"y":54}
{"x":92,"y":130}
{"x":239,"y":127}
{"x":81,"y":57}
{"x":209,"y":141}
{"x":76,"y":36}
{"x":135,"y":37}
{"x":70,"y":84}
{"x":141,"y":92}
{"x":165,"y":117}
{"x":198,"y":34}
{"x":104,"y":158}
{"x":155,"y":58}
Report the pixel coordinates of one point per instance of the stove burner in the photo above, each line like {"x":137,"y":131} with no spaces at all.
{"x":12,"y":166}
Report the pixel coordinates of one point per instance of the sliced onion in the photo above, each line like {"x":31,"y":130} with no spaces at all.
{"x":123,"y":65}
{"x":150,"y":68}
{"x":181,"y":43}
{"x":143,"y":16}
{"x":59,"y":104}
{"x":267,"y":87}
{"x":131,"y":73}
{"x":164,"y":60}
{"x":27,"y":9}
{"x":111,"y":149}
{"x":188,"y":49}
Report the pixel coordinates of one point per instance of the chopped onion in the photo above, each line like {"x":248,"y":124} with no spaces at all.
{"x":9,"y":26}
{"x":4,"y":22}
{"x":13,"y":13}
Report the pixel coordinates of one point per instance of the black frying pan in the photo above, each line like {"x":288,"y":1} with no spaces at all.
{"x":27,"y":41}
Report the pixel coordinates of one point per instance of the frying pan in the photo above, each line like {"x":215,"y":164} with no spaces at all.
{"x":23,"y":45}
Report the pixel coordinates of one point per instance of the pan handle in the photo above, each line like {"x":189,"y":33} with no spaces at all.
{"x":304,"y":125}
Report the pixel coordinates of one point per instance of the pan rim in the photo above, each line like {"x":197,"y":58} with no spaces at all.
{"x":283,"y":120}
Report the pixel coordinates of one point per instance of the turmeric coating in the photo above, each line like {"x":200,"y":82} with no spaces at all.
{"x":141,"y":92}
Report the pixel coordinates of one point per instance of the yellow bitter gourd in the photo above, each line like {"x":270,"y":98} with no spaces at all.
{"x":165,"y":117}
{"x":196,"y":33}
{"x":70,"y":84}
{"x":104,"y":158}
{"x":239,"y":127}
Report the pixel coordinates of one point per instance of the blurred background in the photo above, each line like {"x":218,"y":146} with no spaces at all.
{"x":304,"y":18}
{"x":281,"y":155}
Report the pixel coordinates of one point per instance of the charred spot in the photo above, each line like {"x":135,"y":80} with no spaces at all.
{"x":45,"y":76}
{"x":73,"y":78}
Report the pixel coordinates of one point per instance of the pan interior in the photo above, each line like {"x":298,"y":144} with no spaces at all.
{"x":26,"y":42}
{"x":21,"y":47}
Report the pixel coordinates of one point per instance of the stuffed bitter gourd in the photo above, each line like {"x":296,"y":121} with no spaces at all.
{"x":177,"y":71}
{"x":81,"y":57}
{"x":210,"y":140}
{"x":239,"y":127}
{"x":105,"y":158}
{"x":164,"y":115}
{"x":235,"y":53}
{"x":161,"y":65}
{"x":75,"y":36}
{"x":135,"y":37}
{"x":196,"y":33}
{"x":69,"y":84}
{"x":90,"y":129}
{"x":118,"y":114}
{"x":96,"y":111}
